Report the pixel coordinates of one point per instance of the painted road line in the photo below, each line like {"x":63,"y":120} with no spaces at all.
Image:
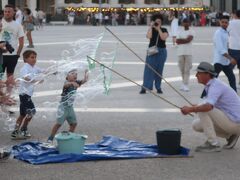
{"x":117,"y":62}
{"x":113,"y":86}
{"x":112,"y":110}
{"x":116,"y":85}
{"x":113,"y":42}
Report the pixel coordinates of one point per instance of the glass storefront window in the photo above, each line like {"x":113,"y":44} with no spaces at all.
{"x":126,"y":1}
{"x":152,"y":1}
{"x":73,"y":1}
{"x":97,"y":1}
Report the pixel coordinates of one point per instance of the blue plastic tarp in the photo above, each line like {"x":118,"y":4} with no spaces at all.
{"x":109,"y":147}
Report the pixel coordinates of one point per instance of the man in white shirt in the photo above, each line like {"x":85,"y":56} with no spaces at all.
{"x":234,"y":38}
{"x":222,"y":60}
{"x":12,"y":32}
{"x":219,"y":114}
{"x":184,"y":52}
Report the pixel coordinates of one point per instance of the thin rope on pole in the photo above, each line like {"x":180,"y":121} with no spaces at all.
{"x":152,"y":92}
{"x":149,"y":66}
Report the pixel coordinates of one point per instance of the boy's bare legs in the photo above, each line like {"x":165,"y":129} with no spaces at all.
{"x":19,"y":122}
{"x":54,"y":131}
{"x":29,"y":37}
{"x":25,"y":123}
{"x":72,"y":127}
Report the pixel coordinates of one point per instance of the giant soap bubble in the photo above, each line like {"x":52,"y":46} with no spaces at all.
{"x":75,"y":57}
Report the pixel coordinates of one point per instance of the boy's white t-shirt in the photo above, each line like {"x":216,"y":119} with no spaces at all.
{"x":11,"y":32}
{"x":30,"y":72}
{"x":184,"y":49}
{"x":234,"y":34}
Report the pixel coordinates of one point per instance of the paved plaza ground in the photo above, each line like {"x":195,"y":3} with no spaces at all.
{"x":123,"y":113}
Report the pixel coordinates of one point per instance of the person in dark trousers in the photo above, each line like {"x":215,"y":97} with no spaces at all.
{"x":157,"y":36}
{"x":222,"y":60}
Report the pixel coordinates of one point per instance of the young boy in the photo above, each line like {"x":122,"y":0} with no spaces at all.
{"x":27,"y":109}
{"x":65,"y":109}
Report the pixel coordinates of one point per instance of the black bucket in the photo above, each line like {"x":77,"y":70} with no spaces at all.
{"x":168,"y":141}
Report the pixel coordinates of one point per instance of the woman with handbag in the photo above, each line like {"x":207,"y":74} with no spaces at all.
{"x":156,"y":54}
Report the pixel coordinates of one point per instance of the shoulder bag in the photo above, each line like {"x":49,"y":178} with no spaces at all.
{"x":153,"y":49}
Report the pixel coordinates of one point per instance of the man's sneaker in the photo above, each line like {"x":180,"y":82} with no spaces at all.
{"x":231,"y":142}
{"x":26,"y":134}
{"x":184,"y":88}
{"x":16,"y":135}
{"x":208,"y":147}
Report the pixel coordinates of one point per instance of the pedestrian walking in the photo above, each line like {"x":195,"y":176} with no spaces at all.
{"x":222,"y":60}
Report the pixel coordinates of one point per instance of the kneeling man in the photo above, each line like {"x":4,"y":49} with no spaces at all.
{"x":219,"y":115}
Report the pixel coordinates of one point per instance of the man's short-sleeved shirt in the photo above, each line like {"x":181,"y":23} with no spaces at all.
{"x":220,"y":41}
{"x":11,"y":32}
{"x":184,"y":49}
{"x":223,"y":97}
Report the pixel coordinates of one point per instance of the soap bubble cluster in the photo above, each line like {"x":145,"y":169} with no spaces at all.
{"x":77,"y":56}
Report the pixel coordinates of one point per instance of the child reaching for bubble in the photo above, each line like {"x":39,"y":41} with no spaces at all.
{"x":65,"y":109}
{"x":28,"y":74}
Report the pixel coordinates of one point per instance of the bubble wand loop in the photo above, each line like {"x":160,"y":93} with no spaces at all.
{"x":153,"y":93}
{"x":149,"y":66}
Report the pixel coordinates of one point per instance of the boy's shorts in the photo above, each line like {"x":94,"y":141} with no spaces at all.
{"x":26,"y":105}
{"x":9,"y":63}
{"x":66,"y":113}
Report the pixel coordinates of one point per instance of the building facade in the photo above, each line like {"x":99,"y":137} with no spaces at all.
{"x":50,"y":6}
{"x":225,"y":5}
